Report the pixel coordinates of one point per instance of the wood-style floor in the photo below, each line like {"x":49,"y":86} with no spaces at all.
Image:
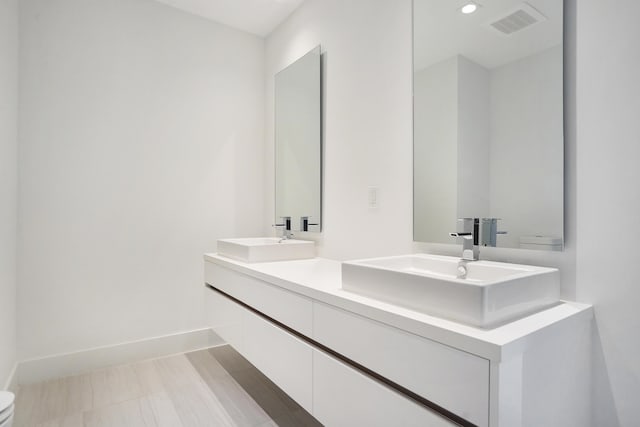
{"x":213,"y":387}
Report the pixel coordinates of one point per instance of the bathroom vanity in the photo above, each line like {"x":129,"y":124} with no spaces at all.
{"x":351,"y":359}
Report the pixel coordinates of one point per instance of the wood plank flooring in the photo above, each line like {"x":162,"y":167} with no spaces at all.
{"x":213,"y":387}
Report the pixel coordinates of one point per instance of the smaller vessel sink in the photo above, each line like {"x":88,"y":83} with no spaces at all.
{"x":478,"y":293}
{"x":264,"y":249}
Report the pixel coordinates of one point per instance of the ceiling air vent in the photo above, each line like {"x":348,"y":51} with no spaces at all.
{"x":517,"y":19}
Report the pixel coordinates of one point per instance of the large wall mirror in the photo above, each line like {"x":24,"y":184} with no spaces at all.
{"x":298,"y":143}
{"x":488,"y":120}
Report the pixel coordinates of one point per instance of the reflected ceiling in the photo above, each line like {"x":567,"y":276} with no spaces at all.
{"x":475,"y":38}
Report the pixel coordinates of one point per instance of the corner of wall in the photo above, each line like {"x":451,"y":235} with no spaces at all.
{"x":8,"y":186}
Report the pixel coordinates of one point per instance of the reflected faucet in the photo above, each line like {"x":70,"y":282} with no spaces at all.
{"x":470,"y":234}
{"x":490,"y":231}
{"x":286,"y":228}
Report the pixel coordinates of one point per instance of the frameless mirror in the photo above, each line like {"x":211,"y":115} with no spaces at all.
{"x":488,"y":120}
{"x":298,"y":143}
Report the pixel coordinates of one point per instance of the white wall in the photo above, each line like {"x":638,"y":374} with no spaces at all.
{"x":608,"y":199}
{"x":141,"y":144}
{"x":8,"y":183}
{"x":367,"y":113}
{"x":527,"y":158}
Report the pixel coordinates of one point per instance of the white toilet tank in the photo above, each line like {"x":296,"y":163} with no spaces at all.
{"x":545,"y":243}
{"x":6,"y":408}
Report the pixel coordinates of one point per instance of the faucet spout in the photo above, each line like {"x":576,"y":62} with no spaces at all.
{"x":466,"y":236}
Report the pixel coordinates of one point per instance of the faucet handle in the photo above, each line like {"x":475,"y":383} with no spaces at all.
{"x":286,"y":223}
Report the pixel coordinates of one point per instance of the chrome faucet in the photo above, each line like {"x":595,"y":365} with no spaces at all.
{"x":470,"y":234}
{"x":286,"y":228}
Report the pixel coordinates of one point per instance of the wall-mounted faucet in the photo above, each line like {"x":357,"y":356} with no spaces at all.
{"x":304,"y":223}
{"x":470,"y":234}
{"x":286,"y":228}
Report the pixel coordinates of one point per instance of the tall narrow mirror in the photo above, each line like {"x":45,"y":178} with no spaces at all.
{"x":298,"y":143}
{"x":488,"y":120}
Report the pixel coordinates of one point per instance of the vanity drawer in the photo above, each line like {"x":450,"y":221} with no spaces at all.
{"x":282,"y":357}
{"x":286,"y":307}
{"x":285,"y":359}
{"x":452,"y":379}
{"x":344,"y":397}
{"x":224,"y":317}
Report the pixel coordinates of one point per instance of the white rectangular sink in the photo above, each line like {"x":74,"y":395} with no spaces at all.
{"x":264,"y":249}
{"x":477,"y":293}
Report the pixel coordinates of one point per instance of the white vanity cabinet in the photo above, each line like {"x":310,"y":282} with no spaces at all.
{"x":343,"y":397}
{"x":286,"y":307}
{"x":352,"y":361}
{"x":225,"y":317}
{"x":282,"y":357}
{"x":450,"y":378}
{"x":334,"y":393}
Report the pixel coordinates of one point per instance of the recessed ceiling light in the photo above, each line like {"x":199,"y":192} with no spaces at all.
{"x":469,"y":8}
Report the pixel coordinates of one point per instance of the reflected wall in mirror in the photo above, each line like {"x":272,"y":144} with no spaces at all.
{"x":488,"y":121}
{"x":298,"y":146}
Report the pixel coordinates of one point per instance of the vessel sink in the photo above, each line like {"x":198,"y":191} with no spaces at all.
{"x":264,"y":249}
{"x":478,"y":293}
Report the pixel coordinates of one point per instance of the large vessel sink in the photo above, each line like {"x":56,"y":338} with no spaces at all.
{"x":477,"y":293}
{"x":264,"y":249}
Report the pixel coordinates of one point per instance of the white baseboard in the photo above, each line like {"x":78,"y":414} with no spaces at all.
{"x":12,"y":380}
{"x":62,"y":365}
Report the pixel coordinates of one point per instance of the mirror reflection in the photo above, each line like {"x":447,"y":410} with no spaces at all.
{"x":488,"y":121}
{"x":298,"y":144}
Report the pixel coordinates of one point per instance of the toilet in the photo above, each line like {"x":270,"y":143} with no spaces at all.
{"x":545,"y":243}
{"x":6,"y":408}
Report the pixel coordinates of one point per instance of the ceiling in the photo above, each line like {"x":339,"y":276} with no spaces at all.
{"x":441,"y":32}
{"x":258,"y":17}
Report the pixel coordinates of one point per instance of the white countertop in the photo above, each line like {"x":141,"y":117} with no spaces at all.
{"x":320,"y":280}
